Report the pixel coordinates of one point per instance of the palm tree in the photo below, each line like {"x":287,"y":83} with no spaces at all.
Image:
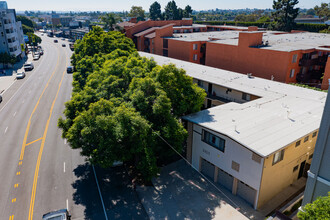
{"x":110,"y":20}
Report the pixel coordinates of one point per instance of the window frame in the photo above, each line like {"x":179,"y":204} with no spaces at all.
{"x":294,"y":58}
{"x":292,"y":72}
{"x":306,"y":139}
{"x":298,"y":143}
{"x":195,"y":46}
{"x":205,"y":139}
{"x":314,"y":134}
{"x":195,"y":57}
{"x":280,"y":157}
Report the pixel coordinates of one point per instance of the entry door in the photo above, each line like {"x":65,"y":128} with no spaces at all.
{"x":301,"y":170}
{"x":209,"y":91}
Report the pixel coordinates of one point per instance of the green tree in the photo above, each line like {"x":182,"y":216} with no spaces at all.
{"x":284,"y":14}
{"x":171,"y":11}
{"x":27,"y":29}
{"x":319,"y":209}
{"x":187,"y":11}
{"x":26,"y":21}
{"x":323,"y":10}
{"x":110,"y":19}
{"x":155,"y":11}
{"x":6,"y":58}
{"x":310,"y":12}
{"x":137,"y":12}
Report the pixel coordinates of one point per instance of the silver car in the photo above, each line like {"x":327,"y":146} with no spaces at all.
{"x":61,"y":214}
{"x":20,"y":75}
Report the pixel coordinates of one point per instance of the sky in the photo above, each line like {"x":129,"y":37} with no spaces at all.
{"x":120,"y":5}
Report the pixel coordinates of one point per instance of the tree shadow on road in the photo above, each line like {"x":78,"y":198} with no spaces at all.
{"x":120,"y":199}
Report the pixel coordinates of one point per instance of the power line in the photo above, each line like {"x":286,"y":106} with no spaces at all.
{"x":237,"y":207}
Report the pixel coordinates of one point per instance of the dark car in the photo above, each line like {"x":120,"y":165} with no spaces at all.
{"x":69,"y":69}
{"x":55,"y":41}
{"x":63,"y":45}
{"x":0,"y":98}
{"x":61,"y":214}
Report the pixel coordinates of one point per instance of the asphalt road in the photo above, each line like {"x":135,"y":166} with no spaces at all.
{"x":39,"y":172}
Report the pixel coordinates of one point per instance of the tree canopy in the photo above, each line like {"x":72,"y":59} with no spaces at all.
{"x":110,"y":19}
{"x":284,"y":14}
{"x":121,"y":102}
{"x":155,"y":11}
{"x":26,"y":21}
{"x":319,"y":209}
{"x":138,"y":12}
{"x":323,"y":10}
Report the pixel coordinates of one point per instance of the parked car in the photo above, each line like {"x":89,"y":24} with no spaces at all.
{"x":37,"y":53}
{"x":36,"y":57}
{"x":0,"y":98}
{"x":28,"y":66}
{"x":63,"y":39}
{"x":20,"y":75}
{"x":63,"y":45}
{"x":41,"y":52}
{"x":69,"y":69}
{"x":61,"y":214}
{"x":55,"y":41}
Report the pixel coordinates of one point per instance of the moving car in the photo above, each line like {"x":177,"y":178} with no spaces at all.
{"x":63,"y":45}
{"x":55,"y":41}
{"x":20,"y":75}
{"x":28,"y":66}
{"x":61,"y":214}
{"x":36,"y":57}
{"x":69,"y":69}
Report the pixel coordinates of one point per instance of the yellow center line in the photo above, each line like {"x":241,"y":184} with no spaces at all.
{"x":11,"y":217}
{"x":35,"y":108}
{"x":36,"y":173}
{"x":33,"y":142}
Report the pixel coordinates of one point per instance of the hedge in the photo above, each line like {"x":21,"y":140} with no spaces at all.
{"x":300,"y":26}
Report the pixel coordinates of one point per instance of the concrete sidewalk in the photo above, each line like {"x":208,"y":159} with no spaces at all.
{"x":181,"y":193}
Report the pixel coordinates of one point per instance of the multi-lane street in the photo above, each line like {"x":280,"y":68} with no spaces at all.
{"x":39,"y":172}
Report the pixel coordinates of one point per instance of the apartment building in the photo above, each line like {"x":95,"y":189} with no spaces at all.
{"x":318,"y":182}
{"x":255,"y":136}
{"x":297,"y":57}
{"x":11,"y":33}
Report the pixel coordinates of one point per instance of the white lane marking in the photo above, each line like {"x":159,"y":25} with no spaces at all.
{"x":6,"y":130}
{"x":9,"y":86}
{"x":64,"y":167}
{"x":67,"y":204}
{"x":98,"y":187}
{"x":14,"y":114}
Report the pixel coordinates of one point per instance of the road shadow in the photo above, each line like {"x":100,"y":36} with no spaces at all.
{"x":120,"y":199}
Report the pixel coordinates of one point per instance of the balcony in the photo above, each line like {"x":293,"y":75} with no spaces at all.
{"x":8,"y":26}
{"x":221,"y":99}
{"x":308,"y":62}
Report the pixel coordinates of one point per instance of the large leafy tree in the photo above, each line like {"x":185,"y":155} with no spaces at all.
{"x":284,"y":14}
{"x":110,"y":20}
{"x":25,"y":20}
{"x":187,"y":11}
{"x":155,"y":11}
{"x":319,"y":209}
{"x":137,"y":12}
{"x":323,"y":10}
{"x":122,"y":103}
{"x":171,"y":11}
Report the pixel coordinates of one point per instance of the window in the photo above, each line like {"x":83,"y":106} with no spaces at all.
{"x":298,"y":143}
{"x":165,"y":53}
{"x":165,"y":43}
{"x":200,"y":83}
{"x":235,"y":166}
{"x":295,"y":168}
{"x":195,"y":57}
{"x":256,"y":158}
{"x":152,"y":41}
{"x":213,"y":140}
{"x":278,"y":157}
{"x":310,"y":156}
{"x":306,"y":139}
{"x":195,"y":47}
{"x":314,"y":134}
{"x":294,"y":58}
{"x":246,"y":97}
{"x":292,"y":73}
{"x":153,"y":50}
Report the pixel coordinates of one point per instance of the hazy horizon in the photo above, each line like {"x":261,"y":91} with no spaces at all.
{"x":125,"y":5}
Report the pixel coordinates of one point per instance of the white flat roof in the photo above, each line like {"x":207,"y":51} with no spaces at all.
{"x":283,"y":115}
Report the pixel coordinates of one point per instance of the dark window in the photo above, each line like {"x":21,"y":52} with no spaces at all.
{"x":165,"y":53}
{"x":278,"y":157}
{"x":246,"y":97}
{"x":310,"y":156}
{"x":306,"y":139}
{"x":165,"y":43}
{"x":213,"y":140}
{"x":314,"y":134}
{"x":298,"y":143}
{"x":295,"y":168}
{"x":235,"y":166}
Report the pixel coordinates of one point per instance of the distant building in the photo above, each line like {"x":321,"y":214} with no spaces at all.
{"x":256,"y":137}
{"x":318,"y":182}
{"x":310,"y":20}
{"x":79,"y":33}
{"x":11,"y":33}
{"x":3,"y":5}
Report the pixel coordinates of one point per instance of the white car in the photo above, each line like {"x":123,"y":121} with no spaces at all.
{"x":20,"y":75}
{"x":28,"y":66}
{"x":36,"y":57}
